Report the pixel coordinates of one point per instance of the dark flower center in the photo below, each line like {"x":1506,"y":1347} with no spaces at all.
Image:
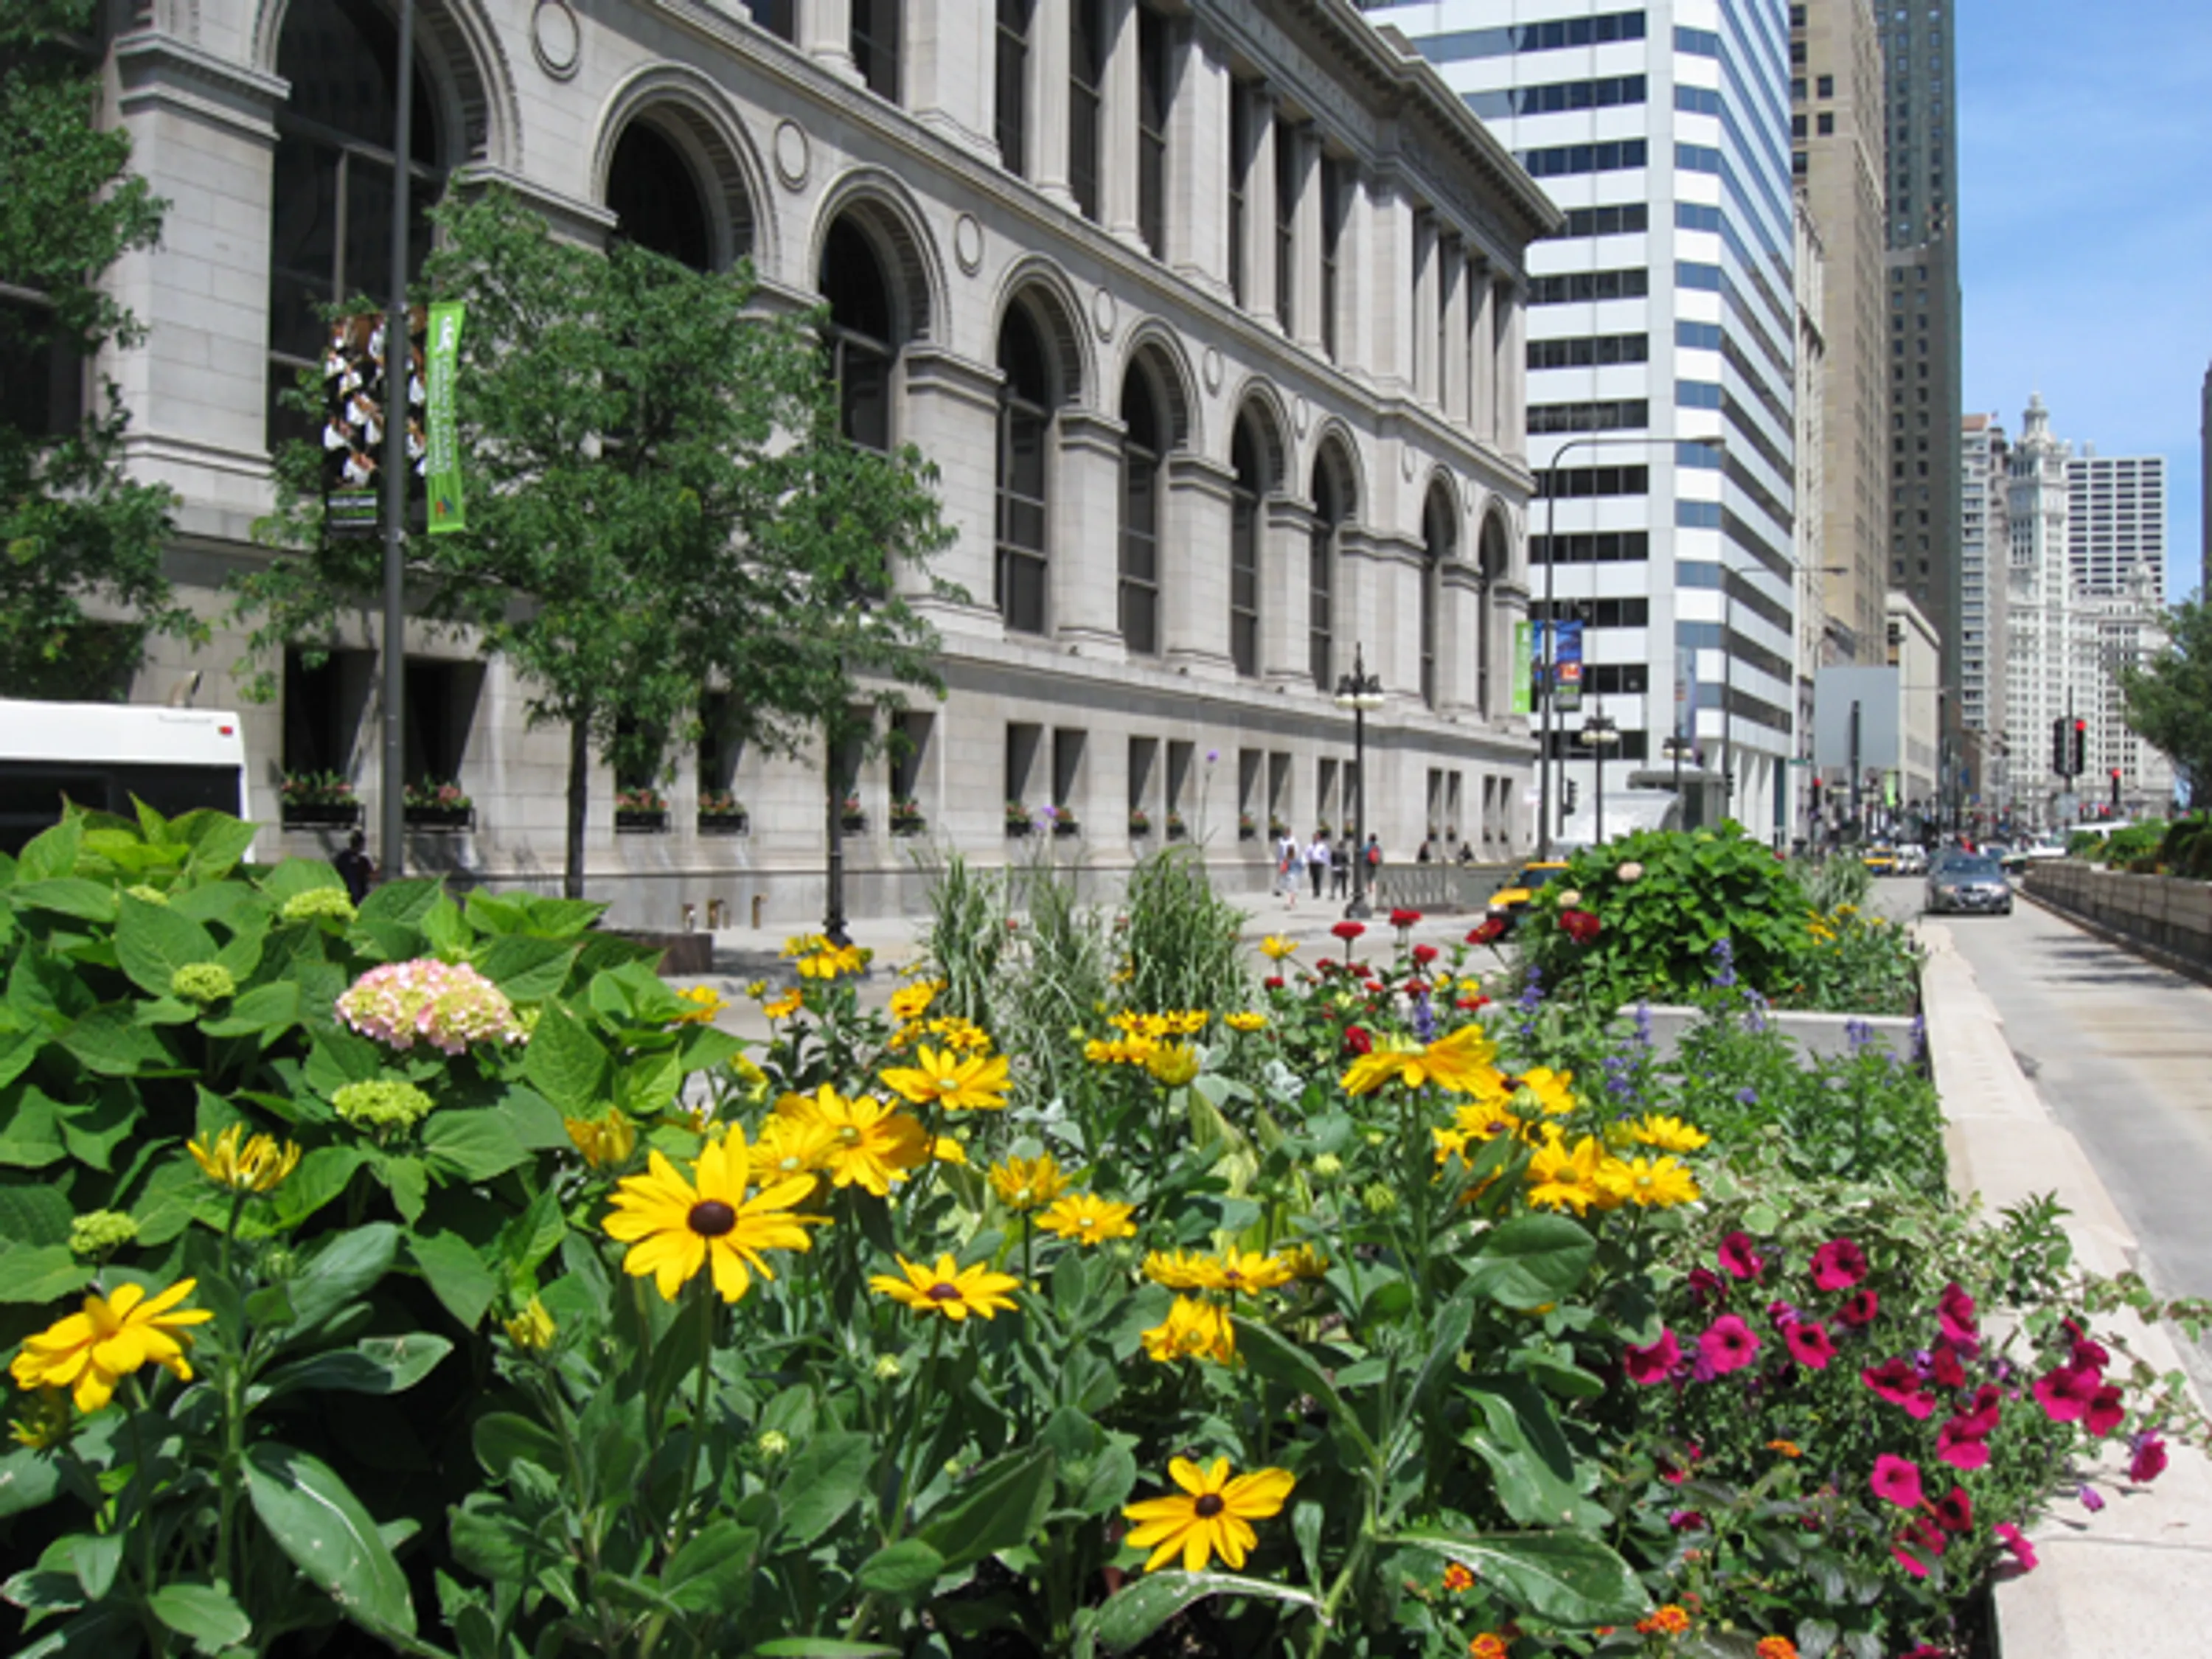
{"x":711,"y":1218}
{"x":1208,"y":1506}
{"x":942,"y":1291}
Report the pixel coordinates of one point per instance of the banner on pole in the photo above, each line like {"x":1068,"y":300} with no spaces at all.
{"x":1567,"y":667}
{"x":443,"y":444}
{"x":1524,"y":669}
{"x":355,"y":400}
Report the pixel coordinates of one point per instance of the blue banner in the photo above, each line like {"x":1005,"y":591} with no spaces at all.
{"x":1567,"y":667}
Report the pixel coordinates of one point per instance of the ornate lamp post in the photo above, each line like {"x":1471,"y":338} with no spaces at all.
{"x":1598,"y":734}
{"x":1359,"y":691}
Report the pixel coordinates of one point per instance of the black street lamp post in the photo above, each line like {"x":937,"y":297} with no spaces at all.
{"x":1598,"y":734}
{"x":1359,"y":691}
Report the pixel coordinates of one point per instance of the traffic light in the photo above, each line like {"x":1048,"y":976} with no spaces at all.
{"x":2116,"y":792}
{"x":2075,"y":755}
{"x":2058,"y":745}
{"x":1572,"y":792}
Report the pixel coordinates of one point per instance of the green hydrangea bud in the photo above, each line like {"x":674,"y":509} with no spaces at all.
{"x":96,"y":1232}
{"x":146,"y":894}
{"x":318,"y":904}
{"x":382,"y":1105}
{"x":888,"y":1369}
{"x":772,"y":1445}
{"x":1328,"y":1167}
{"x":202,"y":982}
{"x":1379,"y":1198}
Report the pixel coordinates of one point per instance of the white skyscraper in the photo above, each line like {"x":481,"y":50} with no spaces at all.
{"x":1984,"y":454}
{"x":1665,"y":314}
{"x":2116,"y":521}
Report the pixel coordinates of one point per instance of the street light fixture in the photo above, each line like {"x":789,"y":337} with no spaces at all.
{"x":1359,"y":691}
{"x":1598,"y":734}
{"x":1549,"y":637}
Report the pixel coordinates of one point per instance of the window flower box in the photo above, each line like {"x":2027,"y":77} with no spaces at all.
{"x":1248,"y":827}
{"x":850,"y":818}
{"x":321,"y":815}
{"x":432,"y":805}
{"x":317,"y":800}
{"x":907,"y":819}
{"x":642,"y":812}
{"x":1141,"y":822}
{"x":1017,"y":818}
{"x":721,"y":813}
{"x":1063,"y":823}
{"x":1178,"y":829}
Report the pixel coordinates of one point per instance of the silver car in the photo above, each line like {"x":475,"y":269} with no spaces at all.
{"x":1968,"y":883}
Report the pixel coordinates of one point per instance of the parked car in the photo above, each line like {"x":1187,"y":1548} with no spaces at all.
{"x":2041,"y":850}
{"x":1880,"y":859}
{"x":1911,"y":860}
{"x":1972,"y":882}
{"x":1511,"y":900}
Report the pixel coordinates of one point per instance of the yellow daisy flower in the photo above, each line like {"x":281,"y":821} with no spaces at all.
{"x":947,"y":1289}
{"x":1087,"y":1220}
{"x":1211,"y":1516}
{"x":1246,"y":1021}
{"x":1657,"y":1183}
{"x":1303,"y":1261}
{"x":675,"y":1228}
{"x":785,"y":1007}
{"x":1553,"y":1090}
{"x":911,"y":1002}
{"x":1174,"y":1065}
{"x":240,"y":1165}
{"x":1461,"y":1064}
{"x":702,"y":1004}
{"x":1027,"y":1183}
{"x":604,"y":1143}
{"x":944,"y":1079}
{"x":790,"y":1144}
{"x":1668,"y":1134}
{"x":865,"y":1143}
{"x":1275,"y":947}
{"x":1192,"y":1330}
{"x":1183,"y":1272}
{"x":1564,"y":1179}
{"x":1250,"y":1272}
{"x":90,"y":1350}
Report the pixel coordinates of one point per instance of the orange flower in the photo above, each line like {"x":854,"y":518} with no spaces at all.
{"x":1457,"y":1577}
{"x":1488,"y":1645}
{"x":1669,"y":1620}
{"x":1786,"y":1448}
{"x":1776,"y":1647}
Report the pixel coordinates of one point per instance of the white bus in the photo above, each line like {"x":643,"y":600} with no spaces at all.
{"x":103,"y":755}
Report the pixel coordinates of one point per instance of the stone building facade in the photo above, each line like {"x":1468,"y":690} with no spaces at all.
{"x":1210,"y":314}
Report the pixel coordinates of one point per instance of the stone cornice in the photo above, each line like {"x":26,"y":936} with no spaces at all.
{"x":161,"y":70}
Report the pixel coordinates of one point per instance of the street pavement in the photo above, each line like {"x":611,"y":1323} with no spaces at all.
{"x":2120,"y":1050}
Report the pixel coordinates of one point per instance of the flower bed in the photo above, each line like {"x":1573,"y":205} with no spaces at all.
{"x":1088,"y":1296}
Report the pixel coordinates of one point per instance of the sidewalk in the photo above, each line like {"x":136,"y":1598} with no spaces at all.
{"x":2135,"y":1579}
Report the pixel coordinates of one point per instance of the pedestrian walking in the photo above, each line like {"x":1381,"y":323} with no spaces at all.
{"x":354,"y":867}
{"x":1339,"y":867}
{"x":1317,"y":861}
{"x":1289,"y":862}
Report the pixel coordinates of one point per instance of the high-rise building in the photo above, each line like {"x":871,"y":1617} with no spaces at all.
{"x":1666,"y":312}
{"x":2116,"y":526}
{"x":1920,"y":66}
{"x":1811,"y":411}
{"x":2204,"y":492}
{"x":1838,"y":126}
{"x":1984,"y":538}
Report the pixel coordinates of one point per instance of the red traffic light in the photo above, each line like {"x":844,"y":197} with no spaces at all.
{"x":2116,"y":775}
{"x":2081,"y":725}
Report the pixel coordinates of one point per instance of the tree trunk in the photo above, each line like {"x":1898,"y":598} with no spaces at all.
{"x":579,"y":797}
{"x":833,"y":805}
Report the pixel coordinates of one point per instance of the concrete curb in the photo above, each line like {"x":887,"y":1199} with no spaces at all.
{"x":2135,"y":1579}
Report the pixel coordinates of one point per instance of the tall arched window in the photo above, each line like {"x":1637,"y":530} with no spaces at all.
{"x":1330,"y":511}
{"x":1024,"y":435}
{"x":1244,"y":548}
{"x":1493,"y":567}
{"x":331,"y":230}
{"x":861,"y":340}
{"x":1436,"y":549}
{"x":655,"y":197}
{"x":1143,"y":443}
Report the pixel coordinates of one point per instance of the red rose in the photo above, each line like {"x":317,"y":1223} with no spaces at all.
{"x":1356,"y":1041}
{"x":1348,"y":931}
{"x":1402,"y":919}
{"x":1424,"y":954}
{"x":1489,"y":931}
{"x":1273,"y":981}
{"x":1580,"y":925}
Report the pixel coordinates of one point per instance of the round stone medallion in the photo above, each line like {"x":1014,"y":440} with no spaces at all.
{"x":556,"y":40}
{"x":791,"y":156}
{"x":1211,"y":367}
{"x":1103,"y":313}
{"x":967,"y":243}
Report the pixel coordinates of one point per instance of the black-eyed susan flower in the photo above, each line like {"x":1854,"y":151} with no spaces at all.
{"x":1193,"y":1330}
{"x":941,"y":1078}
{"x":947,"y":1289}
{"x":1183,"y":1271}
{"x":240,"y":1164}
{"x":787,"y":1146}
{"x":1666,"y":1135}
{"x":90,"y":1350}
{"x":784,"y":1007}
{"x":1561,"y":1178}
{"x":911,"y":1002}
{"x":1173,"y":1064}
{"x":1246,"y":1021}
{"x":1085,"y":1219}
{"x":1657,"y":1183}
{"x":604,"y":1143}
{"x":702,"y":1003}
{"x":1211,"y":1516}
{"x":1462,"y":1063}
{"x":675,"y":1228}
{"x":1303,"y":1261}
{"x":1028,"y":1184}
{"x":1246,"y":1273}
{"x":863,"y":1143}
{"x":1553,"y":1090}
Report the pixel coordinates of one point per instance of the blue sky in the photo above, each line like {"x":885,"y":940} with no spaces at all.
{"x":2085,"y":161}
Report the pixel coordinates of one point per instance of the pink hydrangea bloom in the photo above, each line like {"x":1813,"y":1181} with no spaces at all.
{"x":445,"y":1006}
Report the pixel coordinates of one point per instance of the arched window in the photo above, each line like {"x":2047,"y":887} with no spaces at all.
{"x":861,"y":341}
{"x":1024,"y":435}
{"x":1244,"y":548}
{"x":1330,"y":511}
{"x":1143,"y":443}
{"x":331,"y":230}
{"x":874,"y":36}
{"x":1493,"y":567}
{"x":1010,"y":113}
{"x":1436,"y":549}
{"x":655,"y":197}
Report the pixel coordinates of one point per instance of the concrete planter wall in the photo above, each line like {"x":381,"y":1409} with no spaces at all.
{"x":1821,"y":1037}
{"x":2166,"y":913}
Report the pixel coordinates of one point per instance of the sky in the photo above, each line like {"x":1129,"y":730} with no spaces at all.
{"x":2085,"y":193}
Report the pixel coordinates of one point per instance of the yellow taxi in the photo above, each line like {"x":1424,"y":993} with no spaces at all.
{"x":1511,"y":900}
{"x":1881,"y":860}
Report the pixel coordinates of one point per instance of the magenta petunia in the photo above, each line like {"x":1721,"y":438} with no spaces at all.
{"x":1706,"y":1284}
{"x":1729,"y":1345}
{"x":1858,"y":1311}
{"x":1954,"y":1311}
{"x":2065,"y":1393}
{"x":2149,"y":1460}
{"x":1839,"y":1265}
{"x":1654,"y":1363}
{"x":2092,"y":1499}
{"x":2015,"y":1540}
{"x":2104,"y":1413}
{"x":1897,"y":1381}
{"x":1958,"y":1444}
{"x":1944,"y":1370}
{"x":1809,"y":1344}
{"x":1905,"y":1559}
{"x":1897,"y":1480}
{"x":1955,"y":1512}
{"x":2087,"y":1351}
{"x":1739,"y":1257}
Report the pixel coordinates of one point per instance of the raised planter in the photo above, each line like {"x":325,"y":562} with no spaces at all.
{"x":1065,"y":827}
{"x":445,"y":820}
{"x":642,"y":824}
{"x":908,"y":823}
{"x":1820,"y":1035}
{"x":723,"y":823}
{"x":332,"y":815}
{"x":853,"y":823}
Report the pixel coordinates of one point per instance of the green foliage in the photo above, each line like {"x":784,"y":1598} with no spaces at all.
{"x":81,"y":582}
{"x":1181,"y":939}
{"x":659,"y":504}
{"x":2125,"y":848}
{"x":2168,"y":700}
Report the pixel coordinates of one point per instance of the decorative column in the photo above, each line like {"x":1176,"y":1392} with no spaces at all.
{"x":1305,"y":237}
{"x":1117,"y":137}
{"x":825,"y":34}
{"x":1085,"y":549}
{"x":950,"y":65}
{"x":1512,"y":369}
{"x":1423,"y":367}
{"x":951,"y":407}
{"x":1198,"y":161}
{"x":1481,"y":352}
{"x":1452,"y":377}
{"x":1194,"y":567}
{"x":1049,"y":64}
{"x":1285,"y":602}
{"x":1383,"y":248}
{"x":1259,"y":206}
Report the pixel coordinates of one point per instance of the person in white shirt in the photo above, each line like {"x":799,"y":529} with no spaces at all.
{"x":1288,"y":860}
{"x":1318,"y":862}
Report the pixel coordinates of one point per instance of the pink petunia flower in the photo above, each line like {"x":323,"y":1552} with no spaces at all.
{"x":1809,"y":1344}
{"x":1897,"y":1480}
{"x":1857,"y":1312}
{"x":1729,"y":1345}
{"x":1958,"y":1444}
{"x":2149,"y":1460}
{"x":1954,"y":1311}
{"x":2015,"y":1542}
{"x":1839,"y":1265}
{"x":1897,"y":1381}
{"x":1654,"y":1363}
{"x":1739,"y":1257}
{"x":1706,"y":1284}
{"x":2105,"y":1412}
{"x":1955,"y":1512}
{"x":2065,"y":1393}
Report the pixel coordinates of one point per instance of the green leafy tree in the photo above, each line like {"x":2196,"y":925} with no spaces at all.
{"x":659,"y":504}
{"x":2169,"y":699}
{"x":81,"y":583}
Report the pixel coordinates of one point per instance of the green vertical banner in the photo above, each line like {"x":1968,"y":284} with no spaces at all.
{"x":1524,"y":669}
{"x":442,"y":439}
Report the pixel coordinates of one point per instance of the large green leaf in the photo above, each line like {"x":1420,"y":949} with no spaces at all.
{"x":712,"y":1573}
{"x":266,"y":1012}
{"x":1280,"y":1360}
{"x":527,"y":970}
{"x":340,"y":1270}
{"x":477,"y":1146}
{"x":906,"y":1568}
{"x":33,"y":1215}
{"x":206,"y":1614}
{"x":566,"y":1062}
{"x":68,"y":895}
{"x":110,"y":1041}
{"x":823,"y":1480}
{"x":31,"y":1132}
{"x":53,"y":852}
{"x":1532,"y":1260}
{"x":501,"y":1439}
{"x":375,"y":1364}
{"x":1144,"y":1605}
{"x":456,"y":1274}
{"x":1567,"y":1578}
{"x":1003,"y":1506}
{"x":27,"y":1480}
{"x":318,"y":1522}
{"x":1537,"y":1478}
{"x":152,"y":941}
{"x":40,"y":1272}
